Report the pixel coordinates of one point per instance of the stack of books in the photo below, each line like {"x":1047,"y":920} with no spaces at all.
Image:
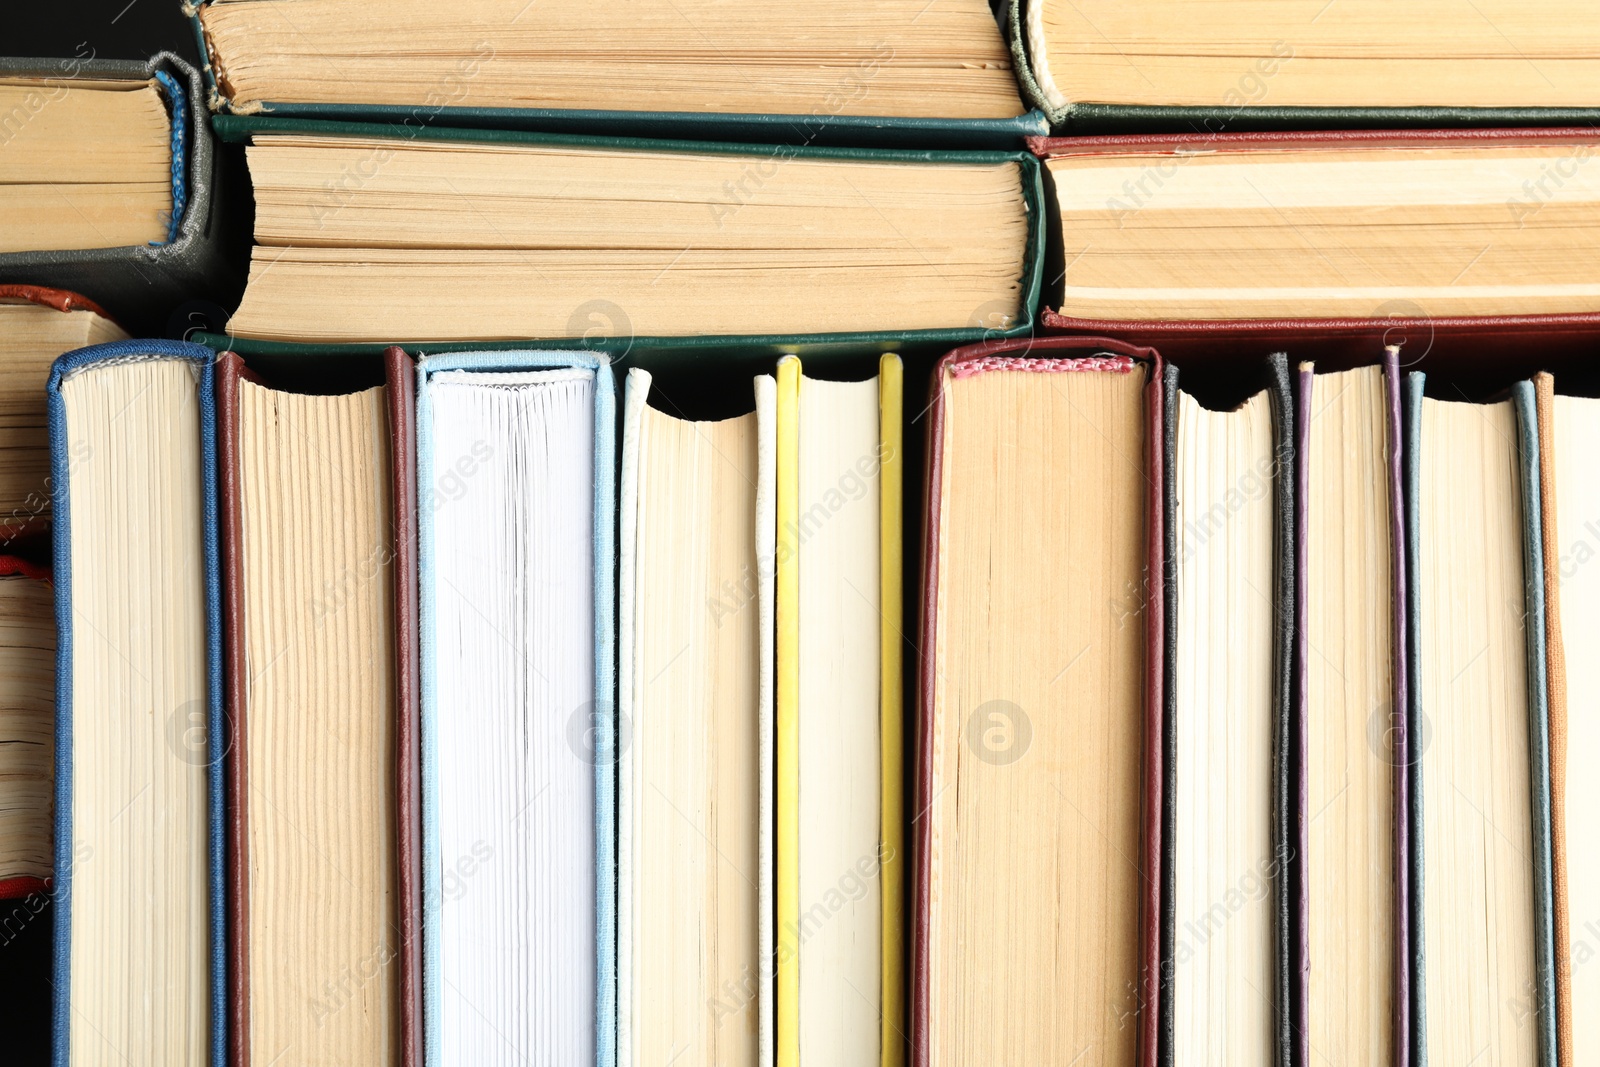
{"x":754,"y":535}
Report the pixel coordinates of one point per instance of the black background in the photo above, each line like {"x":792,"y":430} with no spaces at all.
{"x":105,"y":29}
{"x":116,"y":29}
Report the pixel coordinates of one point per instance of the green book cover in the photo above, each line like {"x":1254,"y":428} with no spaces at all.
{"x":1239,"y":116}
{"x":606,"y":329}
{"x":819,"y":127}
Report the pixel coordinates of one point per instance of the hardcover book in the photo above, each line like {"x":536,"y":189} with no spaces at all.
{"x":1350,"y":991}
{"x":545,"y":236}
{"x":139,"y":740}
{"x":27,"y":721}
{"x":1172,"y":65}
{"x":1480,"y":801}
{"x":1226,"y":921}
{"x":697,"y":780}
{"x":1166,"y":232}
{"x":839,"y":750}
{"x":1568,"y":505}
{"x":114,"y":186}
{"x":27,"y":779}
{"x":1038,"y":865}
{"x":896,"y":72}
{"x":318,"y":508}
{"x":36,"y":326}
{"x":520,"y":735}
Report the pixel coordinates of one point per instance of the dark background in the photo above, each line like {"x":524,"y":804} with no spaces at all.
{"x":83,"y":29}
{"x":105,"y":29}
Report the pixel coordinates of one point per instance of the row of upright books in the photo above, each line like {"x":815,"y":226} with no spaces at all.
{"x":768,"y":535}
{"x":426,"y":722}
{"x":421,"y":723}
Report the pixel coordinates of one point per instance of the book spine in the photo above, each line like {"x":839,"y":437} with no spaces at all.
{"x":1403,"y":657}
{"x":1411,"y":801}
{"x":1155,"y":716}
{"x":61,"y":465}
{"x":788,"y":725}
{"x":1523,"y":400}
{"x":1556,"y":686}
{"x":1300,"y":902}
{"x":400,"y":381}
{"x":1169,"y":739}
{"x":607,"y":738}
{"x":891,"y":847}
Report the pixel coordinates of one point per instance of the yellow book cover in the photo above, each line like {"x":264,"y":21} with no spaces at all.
{"x":839,"y":719}
{"x":787,"y":697}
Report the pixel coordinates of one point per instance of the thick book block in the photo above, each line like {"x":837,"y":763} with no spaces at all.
{"x":1246,"y":93}
{"x":697,"y":781}
{"x":1000,"y":742}
{"x":520,"y":741}
{"x":1483,"y":895}
{"x":139,"y":916}
{"x":839,"y":715}
{"x":620,"y":249}
{"x":1203,"y":546}
{"x":37,"y":324}
{"x":26,"y":721}
{"x":1197,"y":235}
{"x":809,"y":97}
{"x":1350,"y":987}
{"x":321,"y":801}
{"x":141,"y":286}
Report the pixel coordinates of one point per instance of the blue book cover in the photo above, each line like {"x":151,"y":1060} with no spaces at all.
{"x":194,"y":734}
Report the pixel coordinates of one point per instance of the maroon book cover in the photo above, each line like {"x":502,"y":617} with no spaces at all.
{"x":1015,"y":354}
{"x":400,"y":378}
{"x":1475,"y":341}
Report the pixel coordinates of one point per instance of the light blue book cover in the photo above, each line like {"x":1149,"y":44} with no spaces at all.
{"x":434,"y":472}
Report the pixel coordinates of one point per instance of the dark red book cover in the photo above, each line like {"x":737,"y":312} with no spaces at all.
{"x":1015,"y":354}
{"x":400,"y":379}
